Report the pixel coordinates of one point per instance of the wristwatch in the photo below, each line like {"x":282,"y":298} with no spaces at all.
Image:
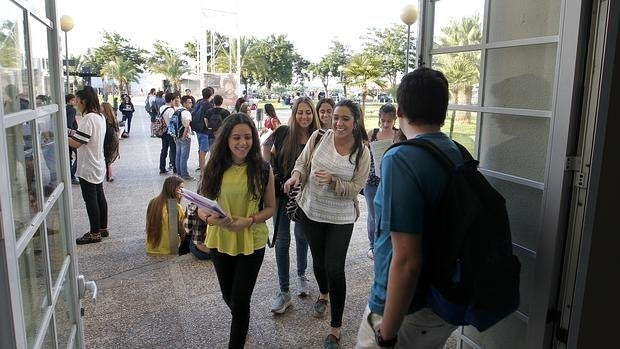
{"x":383,"y":342}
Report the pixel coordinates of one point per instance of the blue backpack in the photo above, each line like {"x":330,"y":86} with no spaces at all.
{"x":175,"y":126}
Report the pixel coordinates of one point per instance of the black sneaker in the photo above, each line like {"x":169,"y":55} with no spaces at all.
{"x":88,"y":238}
{"x":75,"y":181}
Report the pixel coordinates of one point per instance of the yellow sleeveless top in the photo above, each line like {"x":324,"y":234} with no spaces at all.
{"x":164,"y":243}
{"x":235,"y":200}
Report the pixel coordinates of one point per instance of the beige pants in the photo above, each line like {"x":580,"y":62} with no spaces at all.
{"x":420,"y":330}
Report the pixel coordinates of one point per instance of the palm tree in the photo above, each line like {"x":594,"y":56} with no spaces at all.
{"x":121,"y":70}
{"x":461,"y":69}
{"x":172,"y":67}
{"x":364,"y":69}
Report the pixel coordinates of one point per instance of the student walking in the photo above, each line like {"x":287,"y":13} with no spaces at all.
{"x":88,"y":140}
{"x":241,"y":182}
{"x":288,"y":142}
{"x":331,"y":171}
{"x":127,"y":109}
{"x":157,"y":216}
{"x":397,"y":314}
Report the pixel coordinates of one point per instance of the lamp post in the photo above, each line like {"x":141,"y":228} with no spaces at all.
{"x":408,"y":15}
{"x":344,"y":85}
{"x":66,"y":24}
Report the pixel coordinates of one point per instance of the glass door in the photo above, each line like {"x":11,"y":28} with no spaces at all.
{"x":511,"y":105}
{"x":38,"y":267}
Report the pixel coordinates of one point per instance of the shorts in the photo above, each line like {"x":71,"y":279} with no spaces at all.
{"x":203,"y":142}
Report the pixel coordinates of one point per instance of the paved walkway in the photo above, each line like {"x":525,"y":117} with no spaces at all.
{"x":175,"y":302}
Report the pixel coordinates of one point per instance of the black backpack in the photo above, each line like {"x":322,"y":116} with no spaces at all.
{"x":472,"y":274}
{"x":214,"y":119}
{"x":198,"y":114}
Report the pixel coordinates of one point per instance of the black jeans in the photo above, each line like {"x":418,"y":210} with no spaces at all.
{"x":237,"y":277}
{"x":96,"y":205}
{"x":73,"y":162}
{"x":329,"y":244}
{"x":167,"y":142}
{"x":127,"y":118}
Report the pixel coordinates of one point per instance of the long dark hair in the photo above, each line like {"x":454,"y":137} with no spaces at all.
{"x":155,"y":209}
{"x":359,"y":132}
{"x":290,"y":148}
{"x":221,"y":160}
{"x":89,"y":98}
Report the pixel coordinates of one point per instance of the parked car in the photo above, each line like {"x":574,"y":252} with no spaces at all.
{"x":384,"y":98}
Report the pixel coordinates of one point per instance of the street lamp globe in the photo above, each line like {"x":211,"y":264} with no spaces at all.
{"x":66,"y":23}
{"x":409,"y":14}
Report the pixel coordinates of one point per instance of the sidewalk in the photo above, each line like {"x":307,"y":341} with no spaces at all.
{"x":175,"y":302}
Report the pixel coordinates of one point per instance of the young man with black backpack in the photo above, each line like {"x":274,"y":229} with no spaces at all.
{"x":214,"y":117}
{"x":199,"y":124}
{"x":411,"y":187}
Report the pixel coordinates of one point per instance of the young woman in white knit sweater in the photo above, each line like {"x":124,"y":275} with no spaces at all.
{"x":338,"y":168}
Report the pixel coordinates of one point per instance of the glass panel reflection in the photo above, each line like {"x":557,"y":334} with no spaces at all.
{"x":32,"y":277}
{"x":520,"y":77}
{"x":23,"y":175}
{"x":40,"y":63}
{"x":49,"y":154}
{"x":56,"y":239}
{"x":510,"y":20}
{"x":506,"y":334}
{"x":461,"y":126}
{"x":48,"y":341}
{"x":39,"y":6}
{"x":524,"y":211}
{"x":458,"y":23}
{"x":463,"y":73}
{"x":13,"y":70}
{"x":516,"y":145}
{"x":65,"y":320}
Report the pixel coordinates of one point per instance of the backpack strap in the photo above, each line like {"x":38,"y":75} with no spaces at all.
{"x":373,"y":136}
{"x":438,"y":153}
{"x":319,"y":136}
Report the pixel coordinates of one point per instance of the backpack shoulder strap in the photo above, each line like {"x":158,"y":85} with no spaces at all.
{"x":374,"y":134}
{"x":431,"y":148}
{"x":319,"y":136}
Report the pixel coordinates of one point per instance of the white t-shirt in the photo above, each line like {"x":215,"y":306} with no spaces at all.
{"x":166,"y":115}
{"x":90,"y":159}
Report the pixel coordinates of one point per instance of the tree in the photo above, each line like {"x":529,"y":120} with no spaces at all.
{"x":328,"y":65}
{"x":362,"y":70}
{"x":461,"y":69}
{"x":168,"y":62}
{"x":300,"y":69}
{"x":114,"y":45}
{"x":191,"y":50}
{"x":8,"y":44}
{"x":390,"y":44}
{"x":274,"y":56}
{"x":122,"y":71}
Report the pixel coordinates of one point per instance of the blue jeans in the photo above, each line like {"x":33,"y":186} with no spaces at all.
{"x":203,"y":142}
{"x":283,"y":242}
{"x":369,"y":194}
{"x":183,"y":147}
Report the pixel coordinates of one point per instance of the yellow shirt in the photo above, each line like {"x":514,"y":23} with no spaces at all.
{"x":235,"y":200}
{"x":164,"y":243}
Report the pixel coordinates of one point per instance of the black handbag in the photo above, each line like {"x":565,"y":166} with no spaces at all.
{"x":293,"y":211}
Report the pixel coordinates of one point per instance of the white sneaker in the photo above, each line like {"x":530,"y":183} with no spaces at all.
{"x":302,"y":286}
{"x":281,"y":302}
{"x":370,"y":254}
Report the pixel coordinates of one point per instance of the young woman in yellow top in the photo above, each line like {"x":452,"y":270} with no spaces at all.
{"x":241,"y":182}
{"x":157,"y":232}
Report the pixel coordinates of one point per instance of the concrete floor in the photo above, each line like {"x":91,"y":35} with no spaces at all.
{"x":174,"y":301}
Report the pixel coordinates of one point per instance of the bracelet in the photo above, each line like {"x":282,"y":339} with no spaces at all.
{"x":253,"y":220}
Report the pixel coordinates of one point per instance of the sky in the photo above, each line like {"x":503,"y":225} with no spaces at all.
{"x":309,"y":25}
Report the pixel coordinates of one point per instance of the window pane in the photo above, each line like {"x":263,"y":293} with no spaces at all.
{"x":524,"y":208}
{"x":40,"y":63}
{"x":39,"y":6}
{"x":463,"y":126}
{"x":65,"y":320}
{"x":13,"y":71}
{"x":458,"y":23}
{"x":516,"y":145}
{"x":526,"y":288}
{"x":463,"y":73}
{"x":32,"y":278}
{"x":520,"y":77}
{"x":506,"y":334}
{"x":49,"y":152}
{"x":56,"y":239}
{"x":522,"y":19}
{"x":22,"y":174}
